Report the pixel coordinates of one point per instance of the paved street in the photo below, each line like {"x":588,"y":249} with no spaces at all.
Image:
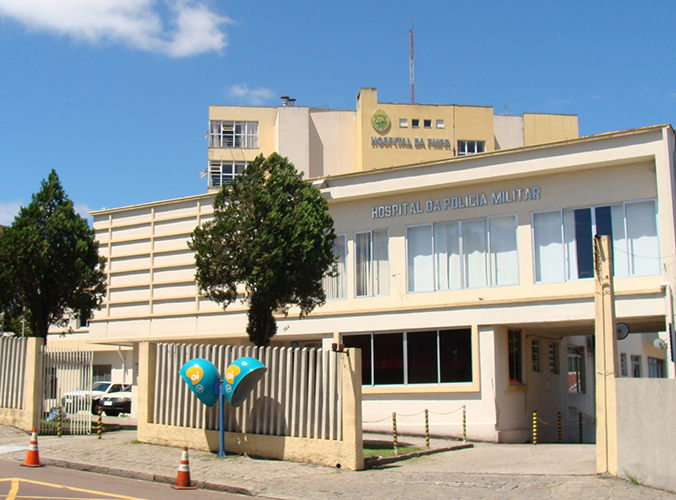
{"x":485,"y":471}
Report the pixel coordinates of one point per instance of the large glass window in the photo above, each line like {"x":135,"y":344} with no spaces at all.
{"x":372,"y":266}
{"x":655,"y":368}
{"x":233,"y":134}
{"x":463,"y":254}
{"x":425,"y":357}
{"x":563,"y":241}
{"x":223,"y":172}
{"x":471,"y":147}
{"x":335,"y":287}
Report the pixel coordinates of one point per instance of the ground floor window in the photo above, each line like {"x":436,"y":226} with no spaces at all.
{"x":102,"y":373}
{"x":655,"y":368}
{"x":418,"y":357}
{"x":576,"y":370}
{"x":515,"y":354}
{"x":554,"y":357}
{"x":535,"y":351}
{"x":635,"y":366}
{"x":623,"y":364}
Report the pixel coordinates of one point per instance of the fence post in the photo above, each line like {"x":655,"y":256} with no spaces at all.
{"x":351,"y":406}
{"x":395,"y":444}
{"x":558,"y":418}
{"x":33,"y":390}
{"x":535,"y":427}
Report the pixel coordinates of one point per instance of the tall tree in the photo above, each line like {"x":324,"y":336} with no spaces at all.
{"x":49,"y":261}
{"x":271,"y":233}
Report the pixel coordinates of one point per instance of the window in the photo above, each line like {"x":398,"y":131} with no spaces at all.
{"x":515,"y":355}
{"x":233,"y":134}
{"x":409,"y":358}
{"x":462,"y":254}
{"x":372,"y":266}
{"x":535,"y":351}
{"x":636,"y":366}
{"x":403,"y":122}
{"x":83,"y":318}
{"x":576,"y":370}
{"x":335,"y":287}
{"x":223,"y":172}
{"x":655,"y":368}
{"x":471,"y":147}
{"x":563,"y":241}
{"x":623,"y":364}
{"x":554,"y":358}
{"x":102,"y":373}
{"x":427,"y":123}
{"x":440,"y":124}
{"x":415,"y":122}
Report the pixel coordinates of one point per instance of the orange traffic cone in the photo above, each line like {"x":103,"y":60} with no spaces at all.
{"x":33,"y":457}
{"x":183,"y":476}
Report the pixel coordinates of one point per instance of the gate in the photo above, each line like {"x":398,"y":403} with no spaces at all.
{"x":66,"y":380}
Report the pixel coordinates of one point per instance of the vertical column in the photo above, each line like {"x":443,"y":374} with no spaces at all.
{"x":147,"y":360}
{"x":351,"y":409}
{"x":32,"y":385}
{"x":605,"y":358}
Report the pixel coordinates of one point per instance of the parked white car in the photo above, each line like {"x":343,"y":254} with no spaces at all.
{"x":77,"y":400}
{"x":115,"y":403}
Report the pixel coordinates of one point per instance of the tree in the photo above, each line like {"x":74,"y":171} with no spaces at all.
{"x":49,"y":261}
{"x":271,"y":232}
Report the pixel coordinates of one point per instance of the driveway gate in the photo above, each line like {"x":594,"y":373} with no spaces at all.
{"x":66,"y":391}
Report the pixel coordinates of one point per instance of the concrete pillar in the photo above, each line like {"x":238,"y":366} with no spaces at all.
{"x":605,"y":358}
{"x":147,"y":360}
{"x":352,"y":416}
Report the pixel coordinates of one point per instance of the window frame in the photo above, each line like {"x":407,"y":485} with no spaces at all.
{"x":227,"y":134}
{"x":577,"y":355}
{"x":215,"y":171}
{"x":371,"y":284}
{"x":328,"y":281}
{"x":515,"y":364}
{"x":464,"y":151}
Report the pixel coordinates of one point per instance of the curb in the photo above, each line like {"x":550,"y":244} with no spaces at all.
{"x":146,"y":476}
{"x":373,"y":462}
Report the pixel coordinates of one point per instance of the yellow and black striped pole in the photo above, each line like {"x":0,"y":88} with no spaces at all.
{"x":464,"y":424}
{"x":580,"y":424}
{"x":535,"y":427}
{"x":59,"y":421}
{"x":558,"y":418}
{"x":395,"y":444}
{"x":427,"y":430}
{"x":99,"y":427}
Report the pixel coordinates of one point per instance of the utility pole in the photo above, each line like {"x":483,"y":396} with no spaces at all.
{"x":605,"y":331}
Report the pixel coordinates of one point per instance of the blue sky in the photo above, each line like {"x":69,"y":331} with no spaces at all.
{"x":113,"y":94}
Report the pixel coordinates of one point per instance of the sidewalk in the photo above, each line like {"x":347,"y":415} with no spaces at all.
{"x":484,"y":471}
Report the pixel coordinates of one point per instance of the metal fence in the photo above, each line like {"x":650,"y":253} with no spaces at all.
{"x":12,"y":372}
{"x":66,"y":381}
{"x":299,"y":396}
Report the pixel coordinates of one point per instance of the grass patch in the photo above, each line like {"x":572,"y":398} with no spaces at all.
{"x":633,"y":479}
{"x":386,"y":450}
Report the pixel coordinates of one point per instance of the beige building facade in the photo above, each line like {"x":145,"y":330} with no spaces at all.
{"x":465,"y":276}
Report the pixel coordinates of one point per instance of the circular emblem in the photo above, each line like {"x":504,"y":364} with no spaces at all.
{"x":228,"y":388}
{"x":199,"y":389}
{"x":380,"y":121}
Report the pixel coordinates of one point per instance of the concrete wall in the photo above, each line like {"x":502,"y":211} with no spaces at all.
{"x":27,"y":418}
{"x":646,"y":435}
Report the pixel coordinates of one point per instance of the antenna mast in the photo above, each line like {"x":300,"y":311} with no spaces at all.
{"x":411,"y":68}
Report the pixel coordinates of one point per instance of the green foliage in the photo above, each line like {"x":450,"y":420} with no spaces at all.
{"x":271,"y":232}
{"x":11,"y":322}
{"x":49,"y":261}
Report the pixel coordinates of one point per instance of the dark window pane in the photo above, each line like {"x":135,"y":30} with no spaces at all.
{"x":604,"y":222}
{"x":421,"y":353}
{"x":388,"y":358}
{"x":583,"y":241}
{"x":363,"y":342}
{"x":515,"y":357}
{"x":455,"y":352}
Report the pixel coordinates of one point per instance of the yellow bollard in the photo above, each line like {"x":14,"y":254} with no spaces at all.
{"x":464,"y":424}
{"x":535,"y":427}
{"x":427,"y":430}
{"x":558,"y":418}
{"x":394,"y":434}
{"x":99,"y":428}
{"x":59,"y":422}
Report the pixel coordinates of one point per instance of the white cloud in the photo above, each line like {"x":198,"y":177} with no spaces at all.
{"x":254,"y":97}
{"x":192,"y":28}
{"x":83,"y":210}
{"x":8,"y":211}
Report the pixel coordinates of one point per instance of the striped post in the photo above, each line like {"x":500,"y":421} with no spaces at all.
{"x":59,"y":421}
{"x":535,"y":427}
{"x":394,"y":434}
{"x":427,"y":430}
{"x":558,"y":421}
{"x":99,"y":426}
{"x":464,"y":424}
{"x":580,"y":424}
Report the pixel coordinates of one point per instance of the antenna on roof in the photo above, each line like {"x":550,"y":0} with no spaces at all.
{"x":411,"y":68}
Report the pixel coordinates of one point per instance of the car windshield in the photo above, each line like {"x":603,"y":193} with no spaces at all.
{"x":101,"y":386}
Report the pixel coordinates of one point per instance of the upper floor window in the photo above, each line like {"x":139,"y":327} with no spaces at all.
{"x":403,"y":122}
{"x":635,"y":366}
{"x":427,"y":123}
{"x":223,"y":172}
{"x":233,"y":134}
{"x":372,"y":266}
{"x":462,"y":254}
{"x":655,"y":368}
{"x":415,"y":122}
{"x":471,"y":147}
{"x":563,"y":241}
{"x":335,"y":287}
{"x":440,"y":124}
